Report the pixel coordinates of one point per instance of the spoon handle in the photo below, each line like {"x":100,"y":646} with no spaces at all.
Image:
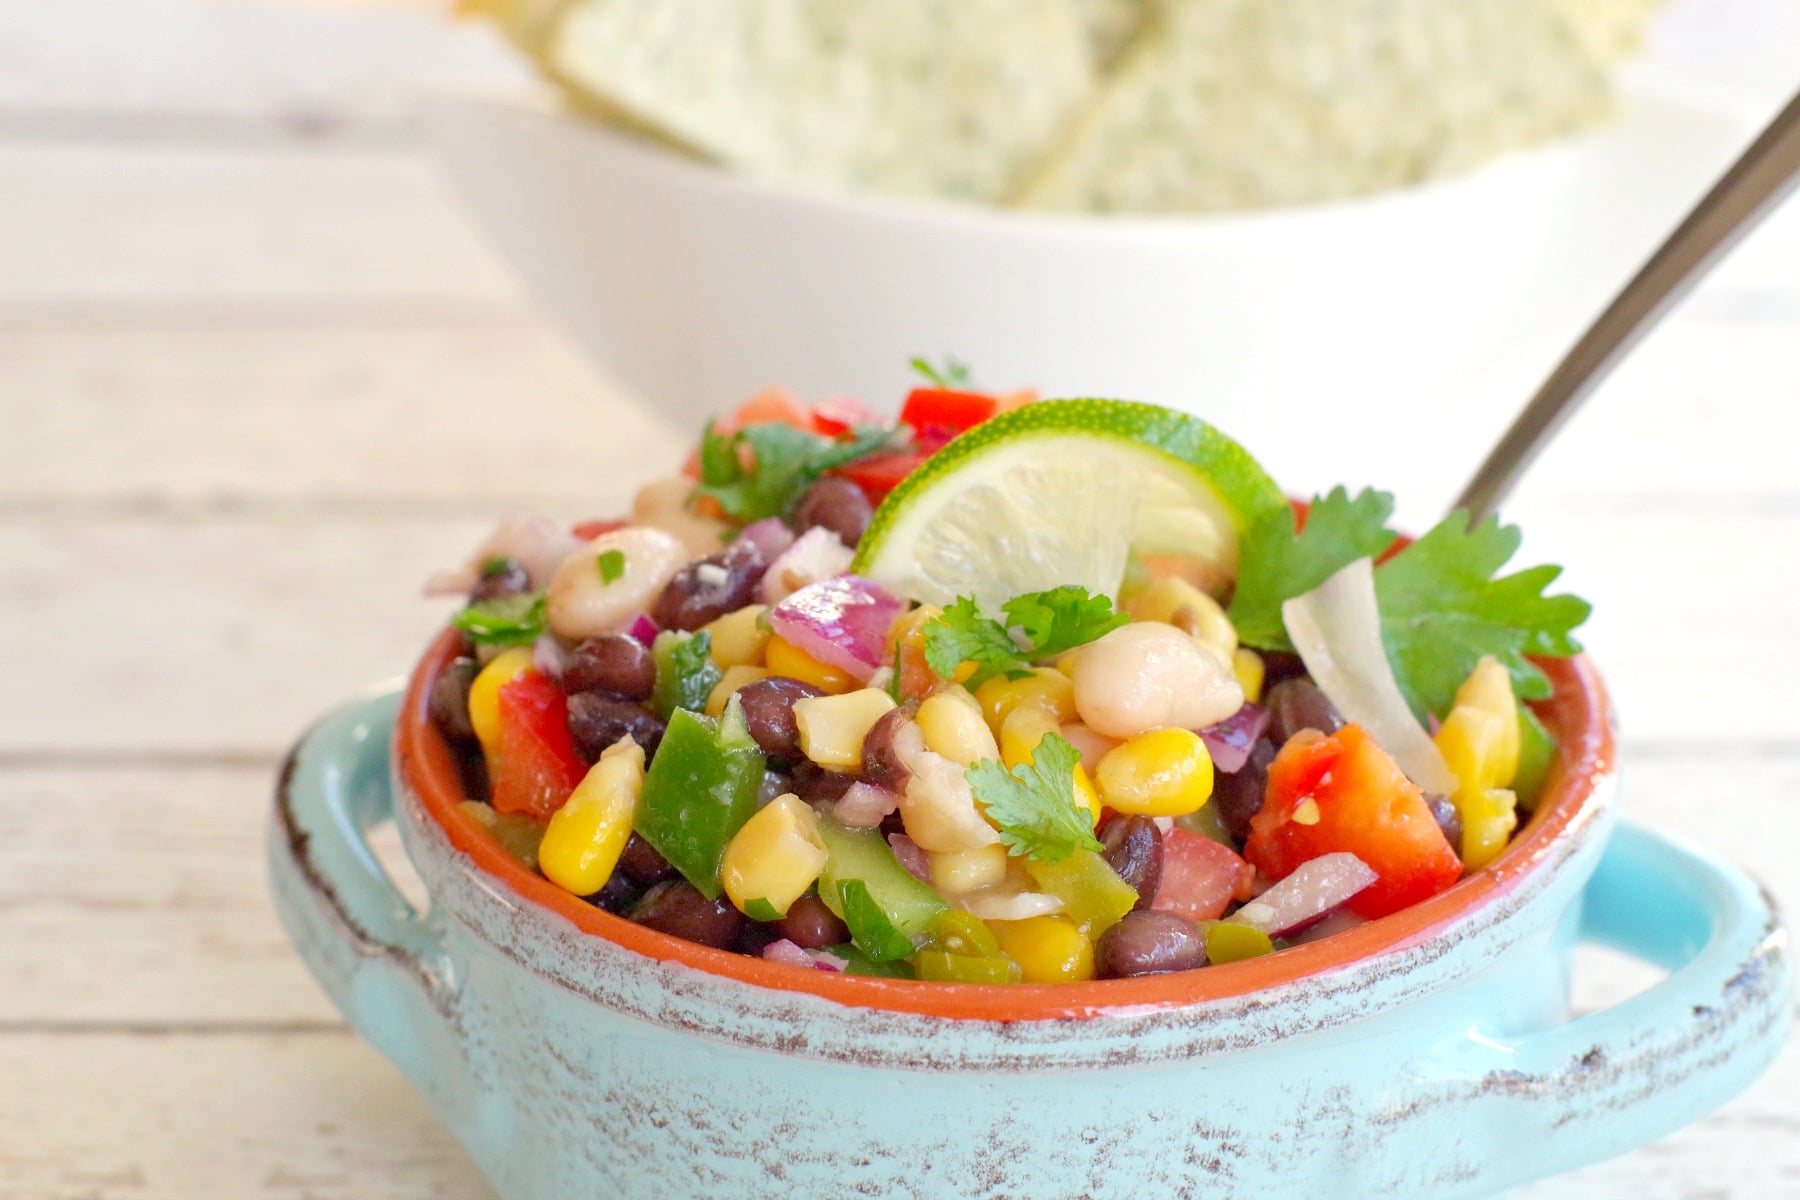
{"x":1745,"y":194}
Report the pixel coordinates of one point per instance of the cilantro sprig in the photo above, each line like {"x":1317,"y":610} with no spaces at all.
{"x":1442,"y":606}
{"x":1034,"y":805}
{"x":1048,"y":623}
{"x":516,"y":620}
{"x":950,"y":376}
{"x":783,"y":463}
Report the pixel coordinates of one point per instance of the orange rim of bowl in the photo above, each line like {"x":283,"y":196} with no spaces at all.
{"x":1576,"y":715}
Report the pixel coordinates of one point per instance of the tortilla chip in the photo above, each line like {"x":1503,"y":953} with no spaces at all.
{"x":1613,"y":28}
{"x":1230,"y":104}
{"x":944,"y":98}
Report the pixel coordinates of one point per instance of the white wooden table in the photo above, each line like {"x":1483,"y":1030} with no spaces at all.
{"x":257,"y":378}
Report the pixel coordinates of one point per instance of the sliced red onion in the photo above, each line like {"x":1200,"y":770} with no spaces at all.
{"x":1230,"y":741}
{"x":548,"y":656}
{"x":770,"y":536}
{"x":910,"y":856}
{"x":1327,"y":925}
{"x":864,"y":805}
{"x":539,"y":543}
{"x":815,"y":555}
{"x":642,"y":629}
{"x":1310,"y":891}
{"x":785,"y":951}
{"x":842,"y":622}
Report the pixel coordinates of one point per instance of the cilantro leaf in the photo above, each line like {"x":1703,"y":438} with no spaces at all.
{"x":504,"y":621}
{"x":1061,"y":618}
{"x":963,"y":633}
{"x":1048,"y":622}
{"x":784,"y":462}
{"x":950,"y":376}
{"x":1442,"y":609}
{"x":1034,"y":804}
{"x":1280,"y":562}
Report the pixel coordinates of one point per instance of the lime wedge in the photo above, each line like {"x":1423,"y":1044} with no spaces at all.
{"x":1063,"y":491}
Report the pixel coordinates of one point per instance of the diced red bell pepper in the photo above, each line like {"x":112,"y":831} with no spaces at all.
{"x":534,"y":766}
{"x":1344,"y":792}
{"x":587,"y":531}
{"x":879,"y":474}
{"x":928,"y":408}
{"x":1199,"y":876}
{"x":841,"y":414}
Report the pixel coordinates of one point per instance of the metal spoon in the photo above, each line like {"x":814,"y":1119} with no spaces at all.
{"x":1744,"y":195}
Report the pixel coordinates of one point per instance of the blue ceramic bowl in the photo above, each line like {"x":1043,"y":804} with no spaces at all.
{"x":1425,"y":1054}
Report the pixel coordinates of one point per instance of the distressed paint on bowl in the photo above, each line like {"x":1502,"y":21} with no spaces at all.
{"x":1417,"y":1055}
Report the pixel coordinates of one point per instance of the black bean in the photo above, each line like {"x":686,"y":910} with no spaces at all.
{"x":880,"y":761}
{"x":768,"y":706}
{"x":1298,"y":704}
{"x":1280,"y":666}
{"x":597,"y":720}
{"x":642,"y":863}
{"x":706,"y":590}
{"x":500,"y":577}
{"x":618,"y":895}
{"x":812,"y":926}
{"x":1238,"y":795}
{"x":1149,"y":942}
{"x":756,"y":937}
{"x":1134,"y":852}
{"x":1449,"y":820}
{"x":471,"y":770}
{"x":835,"y":504}
{"x":677,"y":908}
{"x":613,"y":662}
{"x":450,"y":700}
{"x":817,"y":786}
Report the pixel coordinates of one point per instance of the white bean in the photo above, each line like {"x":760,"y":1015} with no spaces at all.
{"x":663,"y":504}
{"x":582,"y":604}
{"x":1148,"y":675}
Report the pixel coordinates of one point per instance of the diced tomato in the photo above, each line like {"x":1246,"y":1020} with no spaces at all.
{"x":1199,"y":876}
{"x":587,"y":531}
{"x":1344,"y":792}
{"x":534,"y":766}
{"x":928,"y":408}
{"x":841,"y":414}
{"x":879,"y":474}
{"x":1012,"y":400}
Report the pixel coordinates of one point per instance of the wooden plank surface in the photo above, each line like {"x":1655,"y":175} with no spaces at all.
{"x":257,"y":377}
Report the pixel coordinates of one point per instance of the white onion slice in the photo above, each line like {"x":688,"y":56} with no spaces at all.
{"x":1336,"y":627}
{"x":1009,"y":906}
{"x":816,"y":555}
{"x":1308,"y":892}
{"x":864,"y":805}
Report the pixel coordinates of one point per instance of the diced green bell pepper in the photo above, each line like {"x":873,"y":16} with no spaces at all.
{"x":870,"y":927}
{"x":907,"y":903}
{"x":700,"y":789}
{"x":1093,"y":895}
{"x":959,"y":932}
{"x":858,"y":963}
{"x":1207,"y":822}
{"x":685,"y":672}
{"x":941,"y":966}
{"x":1232,"y":941}
{"x":1537,"y":754}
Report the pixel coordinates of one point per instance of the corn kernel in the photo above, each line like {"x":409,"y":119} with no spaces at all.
{"x":1024,"y":729}
{"x":952,"y":725}
{"x":1247,"y":665}
{"x":484,"y":693}
{"x":1489,"y":689}
{"x":954,"y":872}
{"x":775,"y":857}
{"x":782,"y":657}
{"x":735,"y":678}
{"x":1488,"y":821}
{"x":1163,"y":773}
{"x":1472,"y":742}
{"x":1179,"y":603}
{"x":1086,"y":794}
{"x":832,"y":728}
{"x":1047,"y":949}
{"x":739,"y":638}
{"x":1044,"y":688}
{"x":586,"y":835}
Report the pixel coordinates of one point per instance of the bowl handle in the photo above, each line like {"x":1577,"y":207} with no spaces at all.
{"x":382,"y":962}
{"x":1624,"y":1075}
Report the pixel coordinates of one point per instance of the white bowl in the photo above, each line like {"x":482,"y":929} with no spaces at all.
{"x":695,"y":287}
